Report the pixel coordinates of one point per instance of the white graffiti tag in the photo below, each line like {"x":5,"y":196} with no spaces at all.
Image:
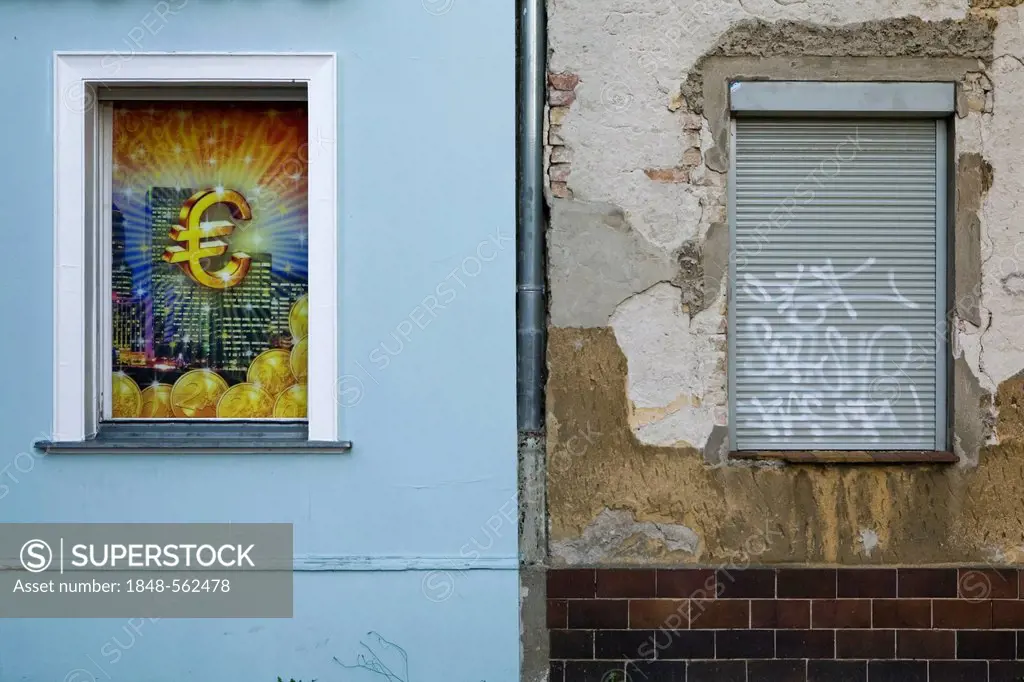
{"x":818,"y":288}
{"x":817,"y":378}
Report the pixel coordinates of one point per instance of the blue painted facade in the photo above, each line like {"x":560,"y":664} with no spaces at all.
{"x":413,"y":534}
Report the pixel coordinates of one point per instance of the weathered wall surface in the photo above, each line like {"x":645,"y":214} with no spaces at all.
{"x":638,"y":243}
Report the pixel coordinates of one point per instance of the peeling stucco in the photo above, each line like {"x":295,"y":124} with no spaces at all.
{"x":596,"y":260}
{"x":994,"y":4}
{"x":615,"y":533}
{"x":703,"y":267}
{"x":974,"y":177}
{"x":971,"y":37}
{"x":919,"y":514}
{"x":868,"y":541}
{"x":677,"y":378}
{"x":638,"y":274}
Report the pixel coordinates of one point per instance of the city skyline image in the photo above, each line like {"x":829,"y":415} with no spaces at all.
{"x":209,"y":260}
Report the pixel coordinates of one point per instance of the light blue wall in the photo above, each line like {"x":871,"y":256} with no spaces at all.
{"x":427,"y":174}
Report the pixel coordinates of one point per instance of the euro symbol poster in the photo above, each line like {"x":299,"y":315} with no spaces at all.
{"x":209,"y":260}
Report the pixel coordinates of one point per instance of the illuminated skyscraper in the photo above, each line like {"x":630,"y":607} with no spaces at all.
{"x":164,"y":286}
{"x":191,"y":318}
{"x":121,"y":273}
{"x":284,"y":293}
{"x":127,"y":310}
{"x":243,"y":320}
{"x":128,"y":321}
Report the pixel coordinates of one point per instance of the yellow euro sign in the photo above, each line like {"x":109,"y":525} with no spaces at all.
{"x":199,"y":238}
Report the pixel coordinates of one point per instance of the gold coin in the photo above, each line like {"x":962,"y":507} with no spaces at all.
{"x":270,"y":371}
{"x":196,"y":393}
{"x":126,"y":397}
{"x":298,"y":318}
{"x":156,"y":401}
{"x":291,"y":404}
{"x":245,"y":401}
{"x":299,"y":360}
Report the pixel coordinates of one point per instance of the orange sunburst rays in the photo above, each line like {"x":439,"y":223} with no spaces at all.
{"x":256,"y":149}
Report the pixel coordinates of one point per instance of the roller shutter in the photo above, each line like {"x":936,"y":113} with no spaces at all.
{"x":838,"y":285}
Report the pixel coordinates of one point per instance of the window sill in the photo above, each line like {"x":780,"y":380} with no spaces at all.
{"x":142,"y":437}
{"x":848,"y":457}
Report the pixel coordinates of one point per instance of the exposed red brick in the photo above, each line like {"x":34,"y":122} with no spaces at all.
{"x":561,"y":190}
{"x":668,"y":174}
{"x":692,"y":157}
{"x":563,"y":81}
{"x":691,"y":122}
{"x":561,"y":154}
{"x":561,"y":98}
{"x":559,"y":172}
{"x":557,"y":114}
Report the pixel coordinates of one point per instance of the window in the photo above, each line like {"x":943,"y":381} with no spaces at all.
{"x":196,"y":251}
{"x":837,"y":304}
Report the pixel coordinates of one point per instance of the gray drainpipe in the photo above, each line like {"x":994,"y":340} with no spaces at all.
{"x":530,"y":286}
{"x":531,"y":336}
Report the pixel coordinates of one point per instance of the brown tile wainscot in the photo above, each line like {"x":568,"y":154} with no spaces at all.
{"x":786,"y":625}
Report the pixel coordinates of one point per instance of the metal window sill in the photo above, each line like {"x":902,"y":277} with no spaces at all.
{"x":848,"y":456}
{"x":141,"y":437}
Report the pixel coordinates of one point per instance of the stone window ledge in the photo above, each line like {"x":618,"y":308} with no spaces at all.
{"x":848,"y":456}
{"x":200,"y":438}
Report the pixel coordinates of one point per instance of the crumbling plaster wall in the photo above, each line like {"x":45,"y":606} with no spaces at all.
{"x":638,"y":253}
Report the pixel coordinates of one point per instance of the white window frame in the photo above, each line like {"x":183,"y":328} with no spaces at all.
{"x":78,"y":201}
